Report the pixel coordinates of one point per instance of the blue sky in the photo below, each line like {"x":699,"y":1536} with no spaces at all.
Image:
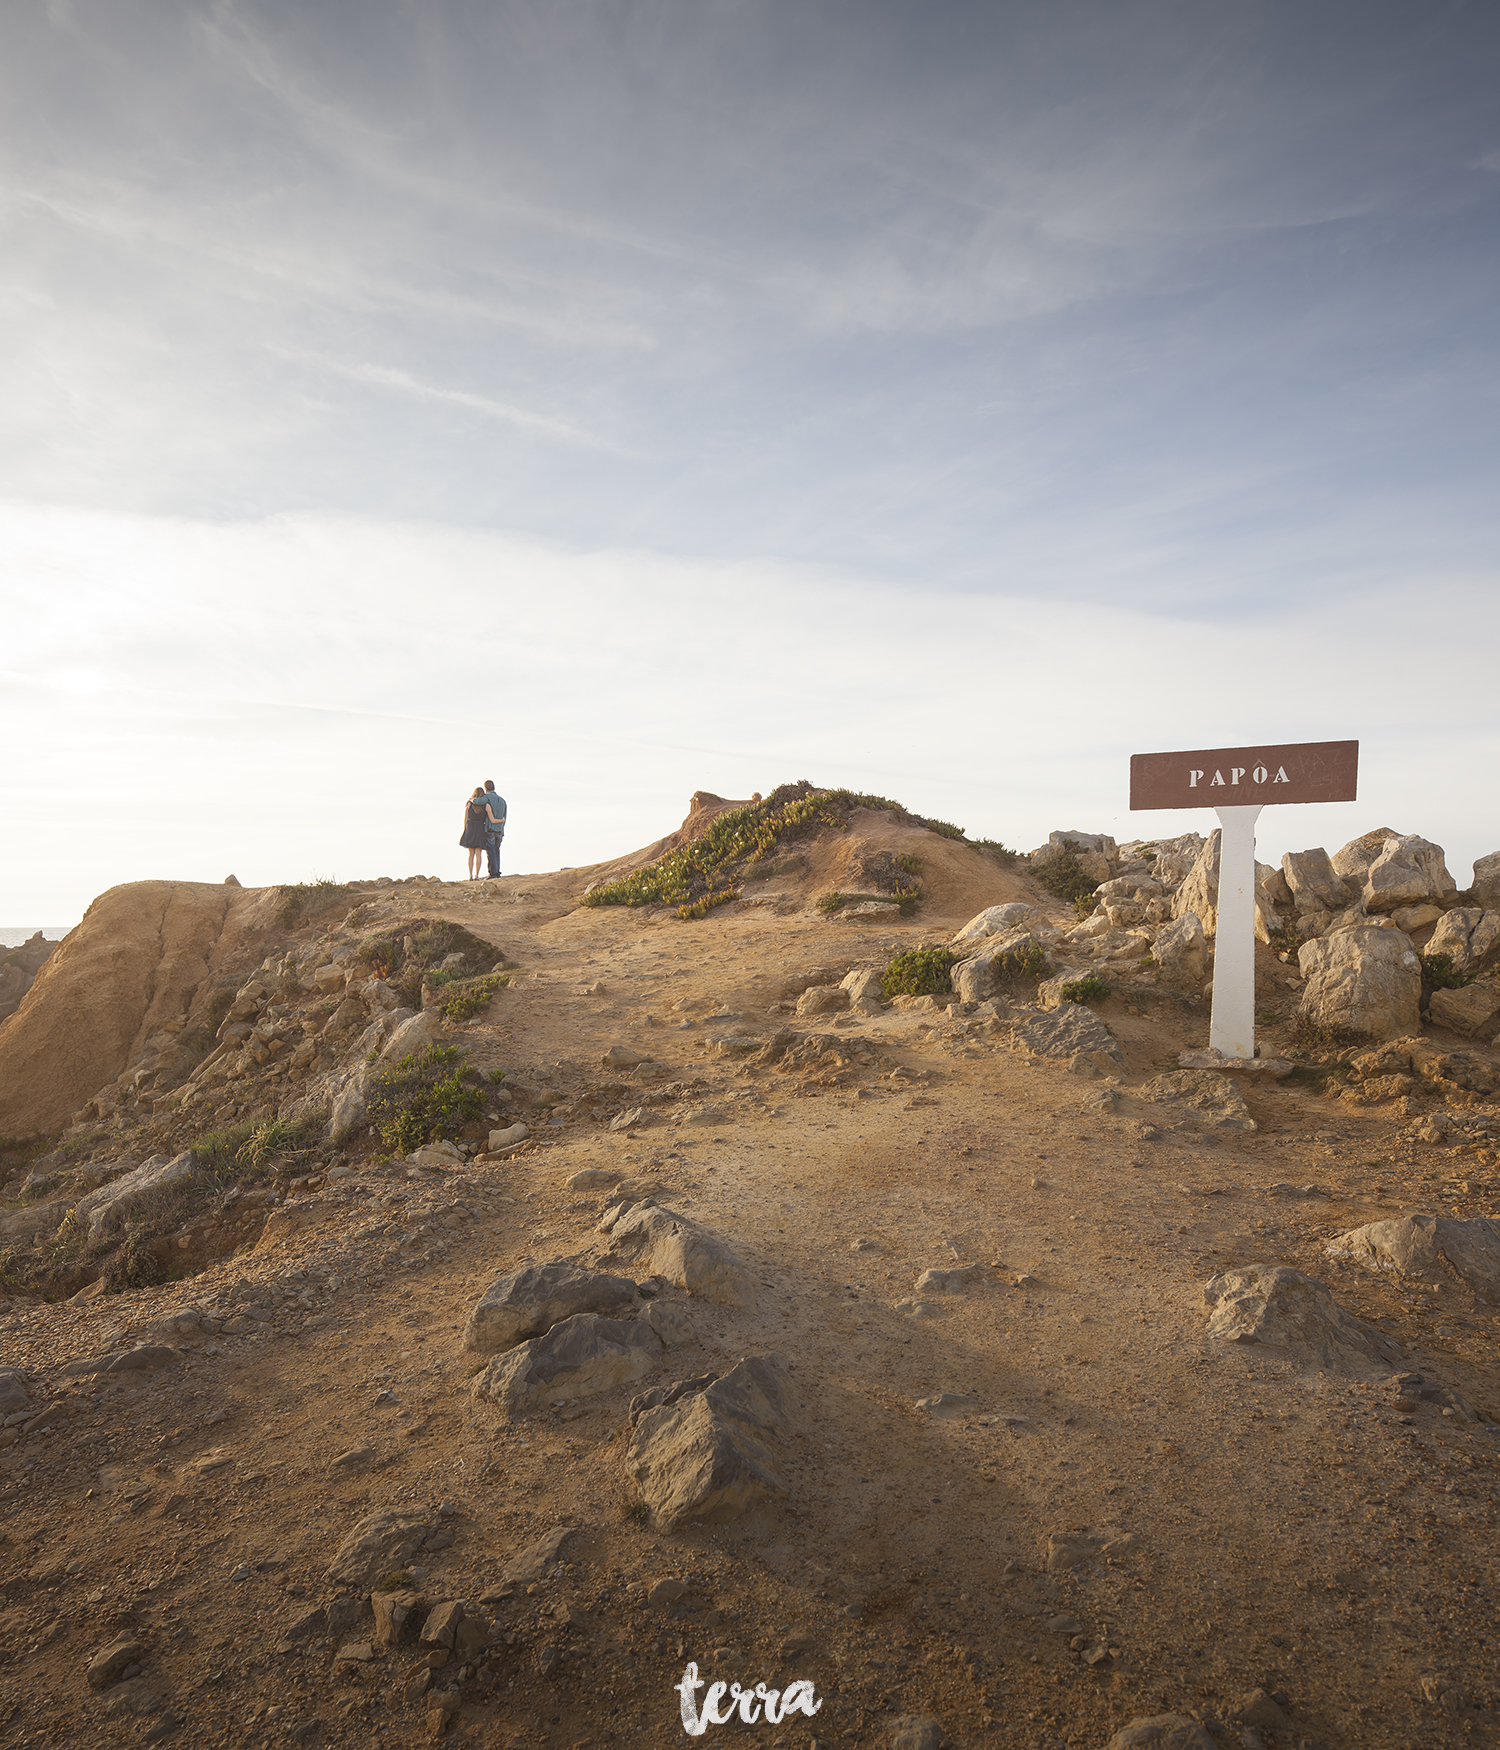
{"x":619,"y":400}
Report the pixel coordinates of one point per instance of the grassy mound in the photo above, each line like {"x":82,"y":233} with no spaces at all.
{"x":697,"y":877}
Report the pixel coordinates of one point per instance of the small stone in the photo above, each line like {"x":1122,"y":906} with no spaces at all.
{"x":397,"y":1615}
{"x":356,"y":1455}
{"x":665,"y":1592}
{"x":109,"y":1664}
{"x":945,"y":1404}
{"x":355,"y":1653}
{"x":240,"y":1572}
{"x":442,"y":1624}
{"x":916,"y":1732}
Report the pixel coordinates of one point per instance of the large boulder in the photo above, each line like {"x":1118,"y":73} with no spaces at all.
{"x":1408,"y":870}
{"x":997,"y":920}
{"x":1175,"y":857}
{"x":1466,"y":934}
{"x":714,"y":1453}
{"x":1352,"y":861}
{"x":1472,"y":1009}
{"x":1485,"y":887}
{"x":1421,"y":1245}
{"x":656,"y":1241}
{"x":583,"y":1355}
{"x":107,"y":1208}
{"x":1273,"y":900}
{"x":414,"y":1034}
{"x":529,"y":1302}
{"x":1199,"y":891}
{"x":982,"y":974}
{"x":1314,"y":883}
{"x":1181,"y":952}
{"x":1366,"y":981}
{"x":1282,"y":1309}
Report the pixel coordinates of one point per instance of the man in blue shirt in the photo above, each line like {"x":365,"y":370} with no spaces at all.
{"x":494,"y":826}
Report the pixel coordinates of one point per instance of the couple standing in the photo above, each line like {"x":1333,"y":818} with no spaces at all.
{"x":484,"y":827}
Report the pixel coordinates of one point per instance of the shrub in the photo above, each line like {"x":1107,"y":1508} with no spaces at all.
{"x":1061,"y":874}
{"x":1091,"y":989}
{"x":1439,"y":973}
{"x":426,"y":1097}
{"x":471,"y":997}
{"x":305,"y":900}
{"x":1026,"y":963}
{"x":269,"y":1138}
{"x":1310,"y":1034}
{"x":1001,"y":853}
{"x":218,"y":1151}
{"x":945,"y":827}
{"x":700,"y":908}
{"x":919,"y":972}
{"x":1284,"y":940}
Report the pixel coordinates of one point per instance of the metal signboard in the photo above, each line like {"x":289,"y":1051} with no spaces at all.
{"x":1302,"y":771}
{"x":1237,"y":782}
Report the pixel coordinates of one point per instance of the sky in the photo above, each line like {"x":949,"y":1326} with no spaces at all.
{"x":619,"y":400}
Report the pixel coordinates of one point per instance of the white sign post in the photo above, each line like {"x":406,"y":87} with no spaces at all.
{"x":1310,"y":771}
{"x":1231,"y":1028}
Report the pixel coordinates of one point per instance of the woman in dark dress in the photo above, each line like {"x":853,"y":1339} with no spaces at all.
{"x":473,"y":834}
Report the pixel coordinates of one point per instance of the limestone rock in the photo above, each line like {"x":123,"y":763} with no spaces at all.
{"x":1418,"y":1245}
{"x":1273,"y":900}
{"x":533,"y":1560}
{"x":1199,"y":891}
{"x":13,"y":1395}
{"x":1471,"y":1009}
{"x":1315,"y":885}
{"x":413,"y":1035}
{"x":508,"y":1135}
{"x":1352,"y":862}
{"x":1466,"y":934}
{"x":581,"y":1356}
{"x":1072,"y":1031}
{"x":624,"y":1057}
{"x":659,"y":1242}
{"x":398,"y":1616}
{"x":108,"y":1207}
{"x":111,"y":1662}
{"x":1283,"y":1309}
{"x":1162,"y":1732}
{"x":381,"y":1541}
{"x":863,"y":988}
{"x":1407,"y":871}
{"x":712,"y":1454}
{"x":529,"y":1302}
{"x":979,"y":977}
{"x":997,"y":920}
{"x":951,"y":1281}
{"x":1366,"y":980}
{"x":1485,"y":887}
{"x":1216,"y":1098}
{"x":1181,"y":952}
{"x":349,"y":1115}
{"x":822,"y":999}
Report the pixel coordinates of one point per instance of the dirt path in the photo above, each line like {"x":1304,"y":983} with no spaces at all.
{"x":1253,"y":1524}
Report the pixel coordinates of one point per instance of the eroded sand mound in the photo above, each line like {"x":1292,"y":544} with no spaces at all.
{"x":131,"y":968}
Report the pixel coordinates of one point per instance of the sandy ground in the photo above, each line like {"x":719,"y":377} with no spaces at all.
{"x":1273,"y":1527}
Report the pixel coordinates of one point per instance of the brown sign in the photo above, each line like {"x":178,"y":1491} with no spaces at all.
{"x":1217,"y":777}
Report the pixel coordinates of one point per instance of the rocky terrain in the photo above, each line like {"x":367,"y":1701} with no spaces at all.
{"x":813,"y":1256}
